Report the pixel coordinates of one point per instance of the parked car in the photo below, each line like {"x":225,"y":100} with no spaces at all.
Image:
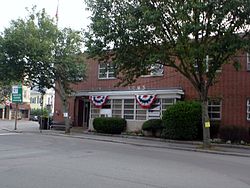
{"x":33,"y":118}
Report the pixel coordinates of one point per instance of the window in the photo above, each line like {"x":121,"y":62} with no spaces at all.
{"x":106,"y":71}
{"x":155,"y":70}
{"x":95,"y":112}
{"x":141,"y":113}
{"x":128,"y":109}
{"x":248,"y":61}
{"x":131,"y":110}
{"x":166,"y":103}
{"x":154,"y":112}
{"x":38,"y":101}
{"x":117,"y":108}
{"x":248,"y":109}
{"x":208,"y":63}
{"x":33,"y":100}
{"x":214,"y":109}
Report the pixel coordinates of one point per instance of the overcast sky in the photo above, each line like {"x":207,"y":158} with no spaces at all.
{"x":71,"y":13}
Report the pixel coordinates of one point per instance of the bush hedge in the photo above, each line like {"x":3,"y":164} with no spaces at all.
{"x":109,"y":125}
{"x":214,"y":129}
{"x":234,"y":133}
{"x":182,"y":121}
{"x":152,"y":125}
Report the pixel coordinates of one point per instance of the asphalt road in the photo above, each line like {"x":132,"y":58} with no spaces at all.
{"x":29,"y":160}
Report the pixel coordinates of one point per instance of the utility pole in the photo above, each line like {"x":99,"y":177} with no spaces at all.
{"x":15,"y":128}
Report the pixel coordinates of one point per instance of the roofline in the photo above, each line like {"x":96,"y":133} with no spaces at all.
{"x":125,"y":93}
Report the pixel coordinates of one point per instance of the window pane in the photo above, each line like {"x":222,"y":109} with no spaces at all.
{"x":114,"y":115}
{"x":128,"y":111}
{"x":128,"y":108}
{"x":248,"y":109}
{"x":129,"y":116}
{"x":117,"y":101}
{"x":128,"y":101}
{"x":106,"y":70}
{"x":169,"y":101}
{"x":215,"y":115}
{"x":214,"y":109}
{"x":140,"y":117}
{"x":116,"y":112}
{"x":141,"y":112}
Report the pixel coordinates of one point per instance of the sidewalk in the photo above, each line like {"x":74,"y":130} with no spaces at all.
{"x":223,"y":149}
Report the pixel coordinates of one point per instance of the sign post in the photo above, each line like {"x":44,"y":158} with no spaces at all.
{"x":17,"y":97}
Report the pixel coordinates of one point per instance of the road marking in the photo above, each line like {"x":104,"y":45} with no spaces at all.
{"x":7,"y":134}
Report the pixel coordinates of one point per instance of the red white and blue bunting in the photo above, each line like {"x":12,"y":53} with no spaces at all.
{"x":98,"y":101}
{"x":145,"y":101}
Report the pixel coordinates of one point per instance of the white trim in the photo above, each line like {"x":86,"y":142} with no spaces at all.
{"x":248,"y":110}
{"x":107,"y":71}
{"x":248,"y":62}
{"x":168,"y":93}
{"x":215,"y":112}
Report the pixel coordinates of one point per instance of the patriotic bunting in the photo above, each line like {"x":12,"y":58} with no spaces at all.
{"x":145,"y":101}
{"x":98,"y":101}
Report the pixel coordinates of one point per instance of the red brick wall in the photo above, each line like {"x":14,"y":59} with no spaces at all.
{"x":233,"y":88}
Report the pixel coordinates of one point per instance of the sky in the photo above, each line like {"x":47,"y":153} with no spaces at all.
{"x":71,"y":13}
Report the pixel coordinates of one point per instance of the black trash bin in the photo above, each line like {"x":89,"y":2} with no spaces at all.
{"x":43,"y":122}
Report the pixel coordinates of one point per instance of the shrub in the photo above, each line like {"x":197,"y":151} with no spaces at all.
{"x":234,"y":133}
{"x":182,"y":121}
{"x":152,"y":125}
{"x":39,"y":112}
{"x":214,"y":129}
{"x":109,"y":125}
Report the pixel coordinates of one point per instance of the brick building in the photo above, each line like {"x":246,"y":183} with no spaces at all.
{"x":229,"y":97}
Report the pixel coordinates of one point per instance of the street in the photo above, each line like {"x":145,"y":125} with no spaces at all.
{"x":33,"y":160}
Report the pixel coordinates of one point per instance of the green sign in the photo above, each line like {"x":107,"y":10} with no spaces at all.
{"x":17,"y":94}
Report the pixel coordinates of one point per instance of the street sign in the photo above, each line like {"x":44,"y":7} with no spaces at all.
{"x":17,"y":94}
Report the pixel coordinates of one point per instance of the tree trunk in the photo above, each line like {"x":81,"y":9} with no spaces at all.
{"x":65,"y":110}
{"x":66,"y":116}
{"x":205,"y":120}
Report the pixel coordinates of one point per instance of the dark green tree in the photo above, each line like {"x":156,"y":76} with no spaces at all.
{"x":195,"y":37}
{"x":35,"y":52}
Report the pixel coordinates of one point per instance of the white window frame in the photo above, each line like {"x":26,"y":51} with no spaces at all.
{"x":109,"y":70}
{"x":207,"y":59}
{"x":115,"y":109}
{"x":248,"y":62}
{"x":155,"y":70}
{"x":214,"y":112}
{"x":95,"y":112}
{"x":134,"y":109}
{"x":248,"y":109}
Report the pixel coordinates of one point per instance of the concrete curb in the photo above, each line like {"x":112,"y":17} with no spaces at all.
{"x":8,"y":130}
{"x":111,"y":138}
{"x":151,"y":145}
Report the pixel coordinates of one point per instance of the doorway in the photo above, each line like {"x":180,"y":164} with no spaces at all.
{"x":83,"y":112}
{"x":86,"y":111}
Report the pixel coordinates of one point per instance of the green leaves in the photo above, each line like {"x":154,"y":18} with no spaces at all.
{"x":35,"y":51}
{"x":142,"y":32}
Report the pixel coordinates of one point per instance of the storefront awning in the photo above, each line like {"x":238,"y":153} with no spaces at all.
{"x":125,"y":94}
